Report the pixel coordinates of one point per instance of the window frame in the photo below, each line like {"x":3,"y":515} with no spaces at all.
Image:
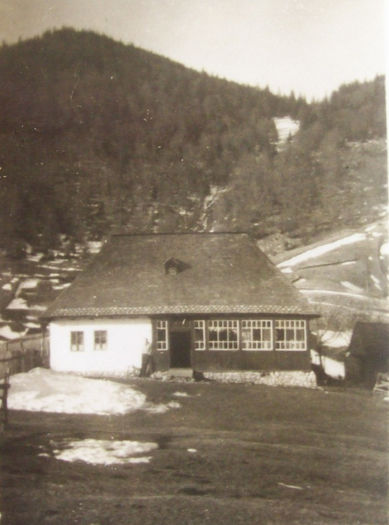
{"x":199,"y":344}
{"x":100,"y":345}
{"x":77,"y":341}
{"x":252,"y":344}
{"x":290,"y":345}
{"x":223,"y":345}
{"x":162,"y":325}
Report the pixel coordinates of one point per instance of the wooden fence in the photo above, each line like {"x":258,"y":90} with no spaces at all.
{"x":21,"y":355}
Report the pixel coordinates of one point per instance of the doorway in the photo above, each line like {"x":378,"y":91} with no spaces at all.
{"x":180,"y":343}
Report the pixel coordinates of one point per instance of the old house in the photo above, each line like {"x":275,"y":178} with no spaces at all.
{"x":201,"y":301}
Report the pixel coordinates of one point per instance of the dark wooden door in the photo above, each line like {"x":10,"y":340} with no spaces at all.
{"x":180,"y":343}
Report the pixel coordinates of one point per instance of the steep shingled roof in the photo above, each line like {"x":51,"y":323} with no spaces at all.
{"x":222,"y":273}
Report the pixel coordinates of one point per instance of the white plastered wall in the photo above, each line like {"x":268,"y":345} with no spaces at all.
{"x":125,"y":345}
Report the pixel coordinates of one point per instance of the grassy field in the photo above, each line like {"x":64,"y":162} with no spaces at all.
{"x":262,"y":455}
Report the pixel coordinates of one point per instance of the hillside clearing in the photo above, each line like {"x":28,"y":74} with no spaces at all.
{"x":233,"y":453}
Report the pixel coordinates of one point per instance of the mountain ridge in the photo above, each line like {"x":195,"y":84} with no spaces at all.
{"x":96,"y":134}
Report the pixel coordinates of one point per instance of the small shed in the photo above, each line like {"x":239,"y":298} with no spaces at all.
{"x":368,"y":353}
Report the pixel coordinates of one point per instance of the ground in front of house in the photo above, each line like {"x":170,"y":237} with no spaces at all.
{"x":223,"y":454}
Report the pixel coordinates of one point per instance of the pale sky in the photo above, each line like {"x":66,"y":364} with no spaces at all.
{"x":308,"y":46}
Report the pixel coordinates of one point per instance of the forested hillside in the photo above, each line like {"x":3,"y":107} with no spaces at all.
{"x":95,"y":135}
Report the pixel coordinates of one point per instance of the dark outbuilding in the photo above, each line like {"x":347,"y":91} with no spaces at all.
{"x":368,"y":353}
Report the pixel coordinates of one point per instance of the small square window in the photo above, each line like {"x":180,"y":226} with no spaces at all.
{"x":100,"y":340}
{"x":77,"y":341}
{"x":291,"y":334}
{"x":223,"y":335}
{"x":257,"y":335}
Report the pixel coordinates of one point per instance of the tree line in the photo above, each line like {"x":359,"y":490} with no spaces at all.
{"x":95,"y":134}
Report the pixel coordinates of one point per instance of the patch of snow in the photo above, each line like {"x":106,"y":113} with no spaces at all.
{"x":7,"y":287}
{"x":8,"y":333}
{"x":286,"y":127}
{"x":384,"y":249}
{"x":352,"y":287}
{"x":287,"y":269}
{"x":376,"y":281}
{"x":192,"y":450}
{"x":18,"y":304}
{"x":322,"y":249}
{"x":61,"y":286}
{"x":38,"y":307}
{"x":295,"y":487}
{"x":105,"y":452}
{"x":333,"y":292}
{"x":35,"y":258}
{"x":144,"y":459}
{"x":332,"y":367}
{"x":161,"y":408}
{"x":94,"y":246}
{"x":181,"y":394}
{"x":347,"y":263}
{"x":29,"y":284}
{"x":42,"y":390}
{"x":32,"y":325}
{"x":335,"y":339}
{"x":51,"y":267}
{"x":371,"y":227}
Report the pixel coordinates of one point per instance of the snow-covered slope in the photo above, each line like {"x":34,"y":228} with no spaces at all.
{"x":286,"y":127}
{"x":344,"y":276}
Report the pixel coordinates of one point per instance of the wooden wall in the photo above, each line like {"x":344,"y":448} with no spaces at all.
{"x":219,"y":360}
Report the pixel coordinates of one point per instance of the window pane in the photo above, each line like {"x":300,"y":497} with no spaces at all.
{"x":198,"y":335}
{"x":233,"y":335}
{"x":223,"y":335}
{"x":279,"y":334}
{"x":77,"y":341}
{"x":246,"y":334}
{"x":100,"y":339}
{"x":290,"y":335}
{"x":212,"y":335}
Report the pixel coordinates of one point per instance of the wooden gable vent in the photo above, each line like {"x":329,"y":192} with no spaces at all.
{"x":173,"y":266}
